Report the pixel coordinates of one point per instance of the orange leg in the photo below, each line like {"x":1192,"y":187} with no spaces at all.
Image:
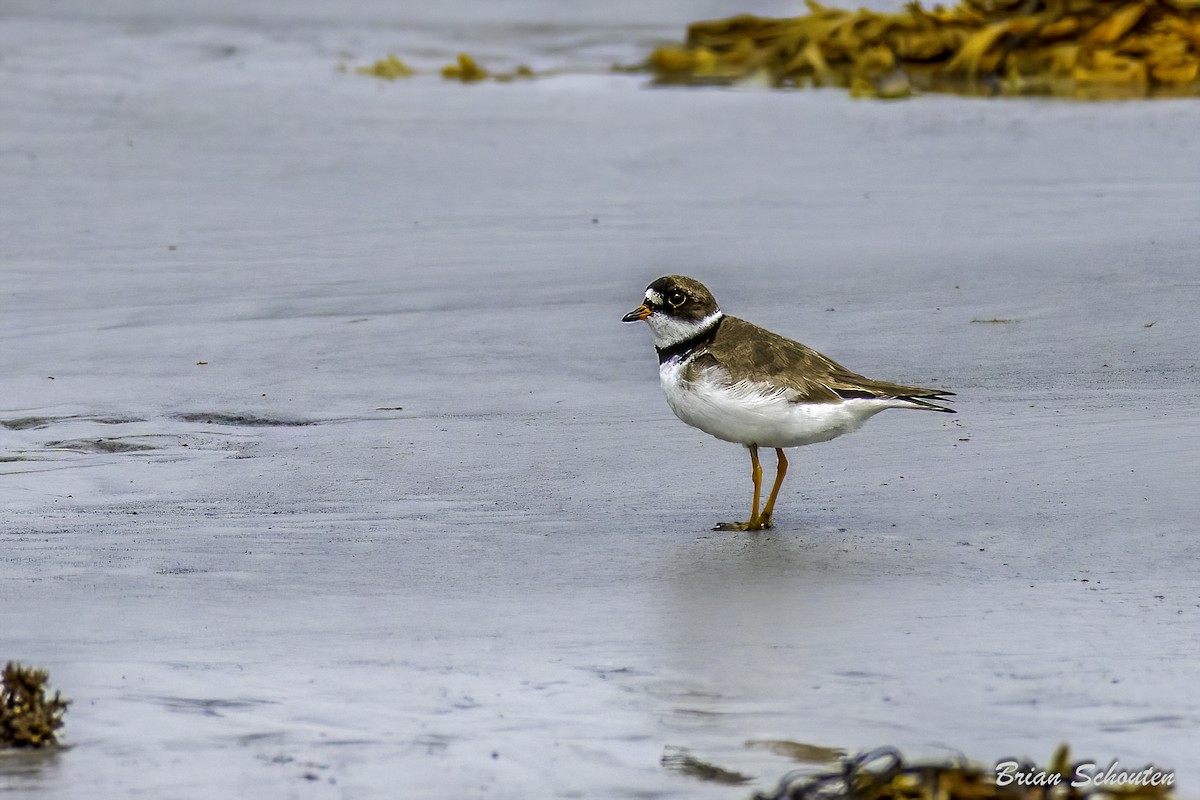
{"x":780,"y":470}
{"x":755,"y":523}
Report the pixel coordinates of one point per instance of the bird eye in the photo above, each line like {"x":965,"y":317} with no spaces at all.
{"x":676,"y":298}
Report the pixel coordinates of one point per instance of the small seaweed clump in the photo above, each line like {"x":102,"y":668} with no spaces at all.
{"x":389,"y":68}
{"x":465,"y":69}
{"x":28,"y":718}
{"x":678,"y":759}
{"x":1092,"y":49}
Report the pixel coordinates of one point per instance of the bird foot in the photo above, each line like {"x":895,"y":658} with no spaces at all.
{"x":752,"y":525}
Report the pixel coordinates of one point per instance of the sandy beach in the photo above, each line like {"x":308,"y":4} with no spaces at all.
{"x":328,"y":470}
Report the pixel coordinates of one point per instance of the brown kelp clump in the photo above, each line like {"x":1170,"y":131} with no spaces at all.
{"x":1072,"y":48}
{"x":884,"y":775}
{"x":28,"y":718}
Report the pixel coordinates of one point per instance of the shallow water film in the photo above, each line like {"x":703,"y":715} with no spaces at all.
{"x":328,"y":470}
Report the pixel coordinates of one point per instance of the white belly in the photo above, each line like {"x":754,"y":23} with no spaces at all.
{"x":758,"y":414}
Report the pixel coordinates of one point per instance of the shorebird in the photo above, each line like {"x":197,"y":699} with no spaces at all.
{"x":742,"y":383}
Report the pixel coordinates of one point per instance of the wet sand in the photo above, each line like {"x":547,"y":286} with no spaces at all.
{"x":327,"y":469}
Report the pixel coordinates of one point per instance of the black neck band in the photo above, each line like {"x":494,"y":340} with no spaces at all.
{"x":702,"y":338}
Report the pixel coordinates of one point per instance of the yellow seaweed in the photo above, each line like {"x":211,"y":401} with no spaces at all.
{"x":388,"y":68}
{"x":465,"y":70}
{"x":1116,"y":26}
{"x":1073,"y":48}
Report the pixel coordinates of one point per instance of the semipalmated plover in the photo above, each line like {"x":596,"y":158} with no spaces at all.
{"x":742,"y":383}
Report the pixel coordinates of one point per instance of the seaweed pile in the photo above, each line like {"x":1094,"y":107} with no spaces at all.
{"x":883,"y":774}
{"x":1090,"y":49}
{"x":28,"y":718}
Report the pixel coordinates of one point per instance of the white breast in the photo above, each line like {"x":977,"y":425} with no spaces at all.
{"x":758,"y":413}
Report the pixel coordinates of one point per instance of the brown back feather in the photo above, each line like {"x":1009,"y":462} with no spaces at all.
{"x":764,"y":356}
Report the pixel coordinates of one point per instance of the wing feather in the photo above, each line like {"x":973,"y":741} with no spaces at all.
{"x":766,"y":357}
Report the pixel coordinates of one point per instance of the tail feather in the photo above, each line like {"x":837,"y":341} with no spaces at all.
{"x":922,"y":401}
{"x":919,"y":398}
